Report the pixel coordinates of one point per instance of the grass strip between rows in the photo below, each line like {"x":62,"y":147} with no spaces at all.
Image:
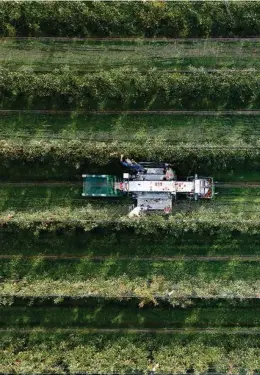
{"x":107,"y":243}
{"x":172,"y":128}
{"x":19,"y":197}
{"x":87,"y":55}
{"x":80,"y":269}
{"x":127,"y":316}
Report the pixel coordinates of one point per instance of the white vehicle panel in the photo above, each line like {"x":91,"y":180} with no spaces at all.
{"x":162,"y":186}
{"x":184,"y":186}
{"x":197,"y":186}
{"x":152,"y":186}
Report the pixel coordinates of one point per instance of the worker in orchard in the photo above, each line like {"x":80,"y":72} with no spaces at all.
{"x":130,"y":163}
{"x":168,"y":172}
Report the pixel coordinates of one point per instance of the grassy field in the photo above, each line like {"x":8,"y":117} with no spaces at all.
{"x":46,"y":55}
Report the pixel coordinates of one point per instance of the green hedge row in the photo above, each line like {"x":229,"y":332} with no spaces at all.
{"x":145,"y":19}
{"x":144,"y":289}
{"x":88,"y":218}
{"x":81,"y":353}
{"x":102,"y":153}
{"x":80,"y":156}
{"x":130,"y":89}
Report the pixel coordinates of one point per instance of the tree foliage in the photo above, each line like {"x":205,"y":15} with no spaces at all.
{"x":197,"y":221}
{"x":200,"y":19}
{"x":129,"y":88}
{"x":57,"y":352}
{"x":123,"y":287}
{"x":81,"y":154}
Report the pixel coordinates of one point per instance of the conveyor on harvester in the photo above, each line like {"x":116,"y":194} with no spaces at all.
{"x":153,"y":188}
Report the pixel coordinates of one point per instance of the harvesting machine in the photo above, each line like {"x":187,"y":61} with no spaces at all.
{"x":152,"y":189}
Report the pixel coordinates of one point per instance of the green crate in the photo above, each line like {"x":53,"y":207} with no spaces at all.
{"x":100,"y":186}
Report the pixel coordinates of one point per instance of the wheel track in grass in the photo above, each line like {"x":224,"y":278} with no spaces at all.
{"x":134,"y":112}
{"x":132,"y":39}
{"x":138,"y":330}
{"x":47,"y":136}
{"x":240,"y":258}
{"x":119,"y":141}
{"x":207,"y":70}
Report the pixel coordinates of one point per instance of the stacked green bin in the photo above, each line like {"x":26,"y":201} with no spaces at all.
{"x":100,"y":186}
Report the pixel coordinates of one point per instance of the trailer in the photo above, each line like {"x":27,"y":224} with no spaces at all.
{"x":153,"y":189}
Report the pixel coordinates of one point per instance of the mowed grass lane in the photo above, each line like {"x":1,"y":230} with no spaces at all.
{"x":48,"y":54}
{"x":74,"y":270}
{"x":33,"y":197}
{"x":47,"y":195}
{"x":222,"y":130}
{"x":128,"y":315}
{"x":100,"y":243}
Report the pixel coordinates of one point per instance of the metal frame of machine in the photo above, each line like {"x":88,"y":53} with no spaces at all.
{"x":153,"y":189}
